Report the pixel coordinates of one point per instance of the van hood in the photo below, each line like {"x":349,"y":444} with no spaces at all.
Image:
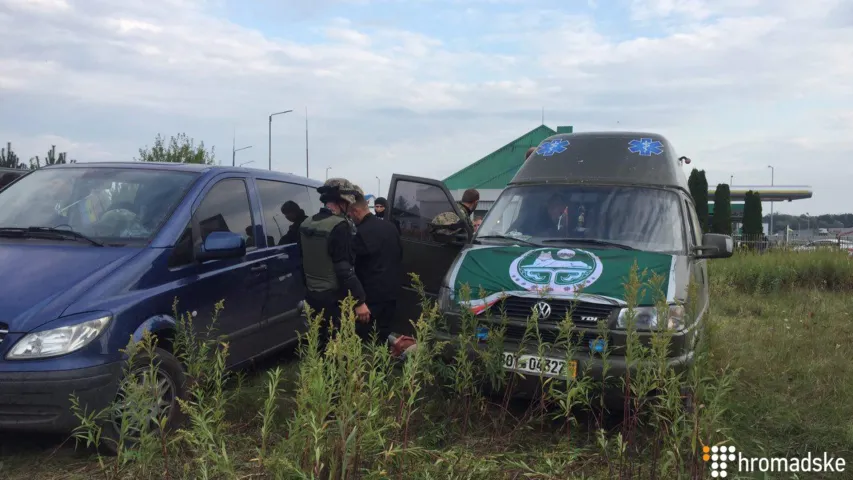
{"x":39,"y":282}
{"x":597,"y":275}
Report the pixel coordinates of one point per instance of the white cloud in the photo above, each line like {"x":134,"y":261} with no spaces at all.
{"x":384,"y":99}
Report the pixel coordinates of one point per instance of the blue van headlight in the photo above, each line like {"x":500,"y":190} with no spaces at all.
{"x":646,"y":318}
{"x":58,"y":341}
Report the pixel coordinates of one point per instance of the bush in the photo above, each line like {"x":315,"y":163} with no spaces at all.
{"x":722,"y":210}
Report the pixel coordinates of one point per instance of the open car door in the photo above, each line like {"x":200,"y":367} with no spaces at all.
{"x":413,"y":203}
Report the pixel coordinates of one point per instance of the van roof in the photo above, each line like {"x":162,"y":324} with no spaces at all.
{"x":195,"y":167}
{"x":627,"y":158}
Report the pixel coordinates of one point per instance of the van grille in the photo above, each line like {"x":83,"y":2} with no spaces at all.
{"x":583,"y":313}
{"x":549,"y":334}
{"x":4,"y":329}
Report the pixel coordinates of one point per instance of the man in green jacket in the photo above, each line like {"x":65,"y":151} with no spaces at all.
{"x":328,"y":259}
{"x":448,"y":223}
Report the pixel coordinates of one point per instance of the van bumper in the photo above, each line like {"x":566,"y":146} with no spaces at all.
{"x":41,"y":401}
{"x":588,"y":365}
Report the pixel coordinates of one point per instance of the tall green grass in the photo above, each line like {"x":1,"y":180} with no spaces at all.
{"x":354,"y":412}
{"x":779,"y":271}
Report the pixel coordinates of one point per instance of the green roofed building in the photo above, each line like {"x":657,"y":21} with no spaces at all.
{"x":490,"y":174}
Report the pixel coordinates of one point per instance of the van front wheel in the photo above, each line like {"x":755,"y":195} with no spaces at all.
{"x":147,"y":398}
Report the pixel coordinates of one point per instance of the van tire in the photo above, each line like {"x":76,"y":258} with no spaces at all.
{"x":172,"y":373}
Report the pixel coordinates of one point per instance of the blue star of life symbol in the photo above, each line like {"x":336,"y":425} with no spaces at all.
{"x":555,"y":146}
{"x":646,"y":147}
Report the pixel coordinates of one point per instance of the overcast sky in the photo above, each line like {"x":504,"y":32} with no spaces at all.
{"x":425,"y":87}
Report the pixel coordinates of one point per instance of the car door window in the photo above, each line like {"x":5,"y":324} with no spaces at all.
{"x":285,"y":206}
{"x":693,"y":220}
{"x":182,"y":253}
{"x":415,"y":206}
{"x":225,"y":208}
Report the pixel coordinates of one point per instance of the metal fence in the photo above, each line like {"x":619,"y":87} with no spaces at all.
{"x":814,"y":243}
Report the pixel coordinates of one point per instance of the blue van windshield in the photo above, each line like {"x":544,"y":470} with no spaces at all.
{"x":112,"y":205}
{"x":638,"y":218}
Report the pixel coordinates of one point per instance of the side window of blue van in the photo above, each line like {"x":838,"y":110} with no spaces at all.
{"x":285,"y":206}
{"x":183,"y":251}
{"x":225,"y":208}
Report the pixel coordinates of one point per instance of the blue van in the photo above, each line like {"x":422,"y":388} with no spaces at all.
{"x":92,"y":254}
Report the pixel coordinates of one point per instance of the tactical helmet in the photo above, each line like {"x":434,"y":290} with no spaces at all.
{"x":340,"y":189}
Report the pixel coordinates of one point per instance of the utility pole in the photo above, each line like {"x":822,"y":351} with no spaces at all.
{"x":306,"y":142}
{"x":234,"y":150}
{"x":270,"y":134}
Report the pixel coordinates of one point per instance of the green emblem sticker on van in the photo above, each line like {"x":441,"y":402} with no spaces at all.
{"x":492,"y":271}
{"x":560,"y":270}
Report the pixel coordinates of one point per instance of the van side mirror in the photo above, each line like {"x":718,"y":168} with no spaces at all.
{"x":714,"y":245}
{"x":220,"y":245}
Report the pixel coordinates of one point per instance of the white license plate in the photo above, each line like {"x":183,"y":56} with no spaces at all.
{"x":536,"y":365}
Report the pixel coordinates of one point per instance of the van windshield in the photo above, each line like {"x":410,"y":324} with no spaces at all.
{"x":110,"y":205}
{"x":637,"y":218}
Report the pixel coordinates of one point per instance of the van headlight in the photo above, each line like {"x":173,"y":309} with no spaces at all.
{"x":646,"y":318}
{"x":58,"y":341}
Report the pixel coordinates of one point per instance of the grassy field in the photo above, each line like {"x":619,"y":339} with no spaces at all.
{"x":774,"y":377}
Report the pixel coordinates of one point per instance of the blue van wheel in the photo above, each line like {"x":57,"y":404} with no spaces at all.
{"x":170,"y":384}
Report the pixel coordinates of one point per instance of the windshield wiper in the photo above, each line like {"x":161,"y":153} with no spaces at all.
{"x":50,"y":231}
{"x":507,"y":237}
{"x":590,"y":241}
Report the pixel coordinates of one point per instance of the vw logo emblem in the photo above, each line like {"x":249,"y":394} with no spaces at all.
{"x":543,"y":309}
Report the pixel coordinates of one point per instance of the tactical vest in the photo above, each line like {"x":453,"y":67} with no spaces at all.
{"x":317,"y":264}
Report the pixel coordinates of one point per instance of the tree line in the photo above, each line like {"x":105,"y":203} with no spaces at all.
{"x":179,"y":148}
{"x":753,"y":217}
{"x":10,"y":159}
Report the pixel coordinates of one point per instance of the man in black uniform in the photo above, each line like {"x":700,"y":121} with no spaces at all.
{"x":379,"y":266}
{"x":327,"y":255}
{"x":379,"y":206}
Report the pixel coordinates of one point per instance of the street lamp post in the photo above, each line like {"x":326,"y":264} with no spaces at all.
{"x":731,"y":180}
{"x":378,"y":187}
{"x":270,"y":134}
{"x":772,"y":174}
{"x":234,"y":153}
{"x":327,"y":172}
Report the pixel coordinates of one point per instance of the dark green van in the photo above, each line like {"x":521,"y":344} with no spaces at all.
{"x":563,"y":237}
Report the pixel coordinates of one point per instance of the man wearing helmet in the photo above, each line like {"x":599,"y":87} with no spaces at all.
{"x":327,"y":255}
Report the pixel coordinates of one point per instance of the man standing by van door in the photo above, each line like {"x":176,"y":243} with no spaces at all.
{"x":327,"y":255}
{"x":379,"y":206}
{"x":448,"y":223}
{"x":379,"y":266}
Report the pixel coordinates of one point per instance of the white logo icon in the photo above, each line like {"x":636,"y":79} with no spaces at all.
{"x":543,"y":309}
{"x":557,"y":270}
{"x":719,"y":458}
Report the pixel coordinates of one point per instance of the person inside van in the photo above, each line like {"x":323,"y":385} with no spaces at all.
{"x":295,"y":215}
{"x":551,"y":220}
